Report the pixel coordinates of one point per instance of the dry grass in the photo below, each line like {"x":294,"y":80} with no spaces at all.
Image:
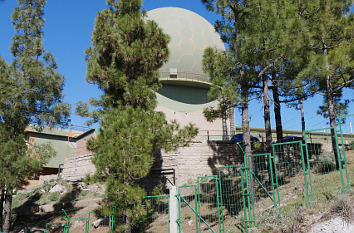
{"x":341,"y":206}
{"x":326,"y":202}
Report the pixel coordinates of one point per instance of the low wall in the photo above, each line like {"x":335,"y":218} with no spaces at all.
{"x":75,"y":168}
{"x":181,"y":166}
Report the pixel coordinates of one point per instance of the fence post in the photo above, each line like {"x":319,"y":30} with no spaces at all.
{"x":173,"y":210}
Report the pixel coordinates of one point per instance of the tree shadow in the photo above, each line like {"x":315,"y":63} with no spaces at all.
{"x":225,"y":153}
{"x":24,"y":211}
{"x":158,"y":177}
{"x":29,"y":214}
{"x":67,"y":201}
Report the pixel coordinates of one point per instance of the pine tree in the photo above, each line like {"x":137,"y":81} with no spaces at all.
{"x":219,"y":66}
{"x":330,"y":68}
{"x":127,"y":51}
{"x":30,"y":94}
{"x":263,"y":36}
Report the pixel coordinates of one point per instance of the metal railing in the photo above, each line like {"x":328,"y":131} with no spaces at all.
{"x":185,"y":76}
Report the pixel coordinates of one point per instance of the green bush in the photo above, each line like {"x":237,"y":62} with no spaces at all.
{"x":54,"y":196}
{"x":325,"y":162}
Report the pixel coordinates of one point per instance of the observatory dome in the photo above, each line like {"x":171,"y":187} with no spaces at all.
{"x":190,"y":35}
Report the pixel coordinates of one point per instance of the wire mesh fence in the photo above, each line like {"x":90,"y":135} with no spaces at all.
{"x":189,"y":219}
{"x":290,"y":169}
{"x":238,"y":197}
{"x":55,"y":227}
{"x":157,"y":214}
{"x":208,"y":203}
{"x":346,"y":140}
{"x":261,"y":186}
{"x":77,"y":224}
{"x":323,"y":158}
{"x":232,"y":198}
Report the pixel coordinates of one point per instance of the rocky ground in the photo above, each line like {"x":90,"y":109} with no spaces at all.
{"x":330,"y":212}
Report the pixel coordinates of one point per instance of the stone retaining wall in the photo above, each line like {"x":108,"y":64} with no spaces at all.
{"x":181,"y":166}
{"x":75,"y":168}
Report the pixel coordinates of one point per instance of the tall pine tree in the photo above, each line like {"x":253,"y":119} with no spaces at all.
{"x":30,"y":94}
{"x":127,"y":51}
{"x":331,"y":64}
{"x":220,"y":68}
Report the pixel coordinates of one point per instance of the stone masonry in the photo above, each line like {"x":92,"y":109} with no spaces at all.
{"x":183,"y":165}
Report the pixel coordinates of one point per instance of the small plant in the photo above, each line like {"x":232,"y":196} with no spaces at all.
{"x":328,"y":195}
{"x":54,"y":196}
{"x":48,"y":185}
{"x":187,"y":217}
{"x":341,"y":207}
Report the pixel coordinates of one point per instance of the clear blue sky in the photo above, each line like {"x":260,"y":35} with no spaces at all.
{"x":67,"y":33}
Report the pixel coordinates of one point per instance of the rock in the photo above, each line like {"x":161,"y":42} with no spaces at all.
{"x":190,"y":222}
{"x":58,"y":188}
{"x":333,"y":225}
{"x":98,"y":222}
{"x":95,"y":188}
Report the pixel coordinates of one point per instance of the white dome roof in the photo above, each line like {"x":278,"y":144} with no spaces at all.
{"x":190,"y":35}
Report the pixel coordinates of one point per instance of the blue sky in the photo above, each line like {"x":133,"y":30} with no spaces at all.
{"x":67,"y":33}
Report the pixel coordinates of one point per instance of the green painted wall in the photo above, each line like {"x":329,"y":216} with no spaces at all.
{"x":179,"y":106}
{"x":184,"y":94}
{"x":63,"y":148}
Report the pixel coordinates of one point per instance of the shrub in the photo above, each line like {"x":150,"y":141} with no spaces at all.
{"x":54,"y":196}
{"x":187,"y":217}
{"x":341,"y":206}
{"x":325,"y":162}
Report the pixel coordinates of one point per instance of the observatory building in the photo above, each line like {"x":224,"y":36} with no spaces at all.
{"x":184,"y":93}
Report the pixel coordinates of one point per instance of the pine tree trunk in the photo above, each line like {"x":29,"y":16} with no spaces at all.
{"x":330,"y":100}
{"x":7,"y":211}
{"x":303,"y":124}
{"x":247,"y":135}
{"x":224,"y":126}
{"x":267,"y":127}
{"x":232,"y":121}
{"x":245,"y":119}
{"x":277,"y":113}
{"x":332,"y":120}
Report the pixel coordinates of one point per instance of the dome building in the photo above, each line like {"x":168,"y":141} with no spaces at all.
{"x":184,"y":93}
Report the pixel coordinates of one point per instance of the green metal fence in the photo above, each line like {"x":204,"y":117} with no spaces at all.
{"x":290,"y":169}
{"x":232,"y":198}
{"x":346,"y":127}
{"x":323,"y":157}
{"x":189,"y":219}
{"x":261,"y":186}
{"x":209,"y":203}
{"x":157,"y":214}
{"x":77,"y":224}
{"x":55,"y":227}
{"x":236,"y":198}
